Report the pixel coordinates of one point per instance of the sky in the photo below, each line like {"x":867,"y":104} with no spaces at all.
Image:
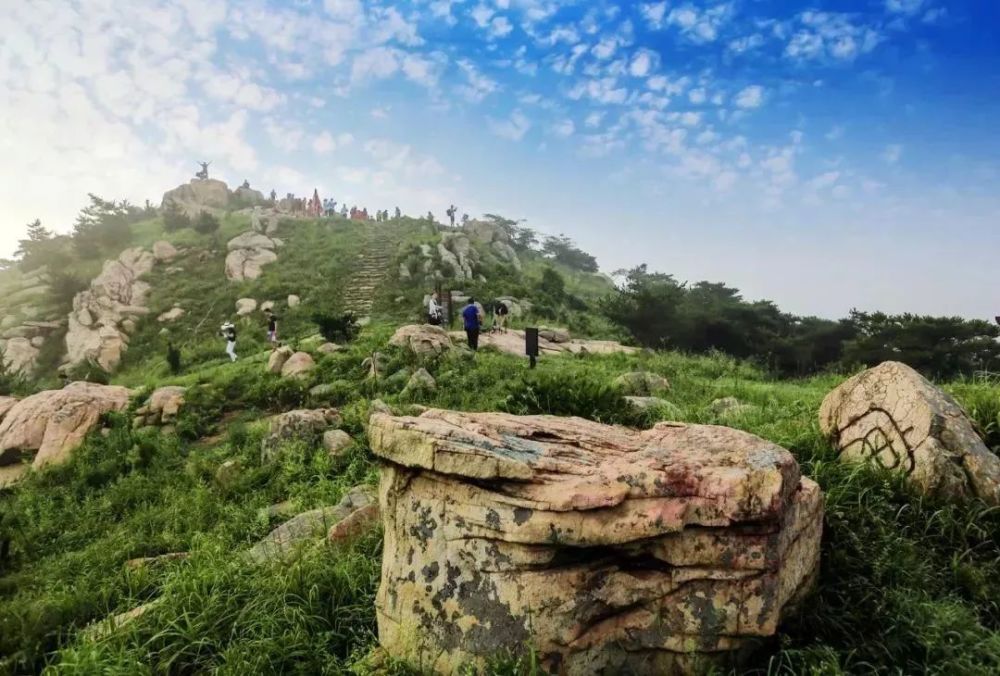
{"x":823,"y":155}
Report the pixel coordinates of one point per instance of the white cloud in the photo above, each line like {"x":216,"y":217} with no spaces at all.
{"x":892,"y":153}
{"x":513,"y":128}
{"x":374,"y":64}
{"x":478,"y":86}
{"x":746,"y":43}
{"x":423,"y":71}
{"x":643,"y":61}
{"x":346,"y":10}
{"x":285,"y":136}
{"x":380,"y":112}
{"x":835,"y":133}
{"x":700,"y":25}
{"x":697,"y":96}
{"x":594,"y":119}
{"x":564,"y":128}
{"x":602,"y":90}
{"x":441,"y":9}
{"x":828,"y":35}
{"x":653,"y":13}
{"x":326,"y":142}
{"x":500,"y":27}
{"x":750,"y":97}
{"x":824,"y":180}
{"x":904,"y":6}
{"x":482,"y":14}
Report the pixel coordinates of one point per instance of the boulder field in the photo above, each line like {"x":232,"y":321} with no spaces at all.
{"x":603,"y":549}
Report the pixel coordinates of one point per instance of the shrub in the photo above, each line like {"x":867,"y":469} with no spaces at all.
{"x":206,"y":223}
{"x":569,"y":394}
{"x":173,"y":358}
{"x":336,"y":327}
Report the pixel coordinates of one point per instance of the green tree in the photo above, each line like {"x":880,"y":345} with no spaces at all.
{"x":174,"y":218}
{"x":102,"y":224}
{"x":38,"y":248}
{"x":563,"y":250}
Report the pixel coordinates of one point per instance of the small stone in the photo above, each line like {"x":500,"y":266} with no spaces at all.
{"x":356,"y":524}
{"x":293,"y":300}
{"x":329,"y":348}
{"x":299,"y":365}
{"x":245,"y":306}
{"x":228,"y":473}
{"x":336,"y":442}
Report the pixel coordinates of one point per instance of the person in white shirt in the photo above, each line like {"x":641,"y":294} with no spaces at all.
{"x":434,"y":312}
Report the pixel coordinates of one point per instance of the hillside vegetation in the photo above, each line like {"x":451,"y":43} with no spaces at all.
{"x":909,"y":583}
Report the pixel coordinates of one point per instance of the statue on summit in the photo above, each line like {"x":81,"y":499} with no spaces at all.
{"x":203,"y":174}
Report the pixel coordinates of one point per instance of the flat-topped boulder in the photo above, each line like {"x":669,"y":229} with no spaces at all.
{"x":892,"y":416}
{"x":602,"y":549}
{"x":46,"y":427}
{"x":200,"y":194}
{"x":512,"y":342}
{"x":423,"y":340}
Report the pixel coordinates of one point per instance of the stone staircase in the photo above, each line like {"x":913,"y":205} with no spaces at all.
{"x":373,"y":263}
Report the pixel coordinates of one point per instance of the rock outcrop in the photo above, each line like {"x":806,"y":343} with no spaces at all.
{"x":199,"y":195}
{"x":284,"y":542}
{"x":248,"y":254}
{"x":28,"y":317}
{"x":164,"y":252}
{"x":276,"y":360}
{"x":423,"y":340}
{"x":512,"y":342}
{"x":306,"y":425}
{"x":603,"y":549}
{"x":104,"y":314}
{"x":161,"y":408}
{"x":894,"y":417}
{"x":245,"y":306}
{"x":46,"y":427}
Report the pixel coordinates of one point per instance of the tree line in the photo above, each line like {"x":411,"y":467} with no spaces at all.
{"x":660,"y":312}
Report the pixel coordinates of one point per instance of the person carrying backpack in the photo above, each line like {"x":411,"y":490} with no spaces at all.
{"x":500,"y":314}
{"x":472,"y":323}
{"x":228,"y":331}
{"x":434,"y":313}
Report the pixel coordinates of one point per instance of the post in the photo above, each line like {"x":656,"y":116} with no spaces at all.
{"x":531,"y":345}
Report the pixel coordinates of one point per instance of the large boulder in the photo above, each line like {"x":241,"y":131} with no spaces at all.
{"x":248,"y":254}
{"x":198,"y":195}
{"x":600,"y":549}
{"x":423,"y":340}
{"x":505,"y":252}
{"x":641,"y":383}
{"x":20,"y":355}
{"x":245,"y":306}
{"x":162,"y":406}
{"x":284,"y":542}
{"x":299,"y":365}
{"x":164,"y":252}
{"x":894,"y":417}
{"x":306,"y":425}
{"x":277,"y":359}
{"x":49,"y":425}
{"x":249,"y":197}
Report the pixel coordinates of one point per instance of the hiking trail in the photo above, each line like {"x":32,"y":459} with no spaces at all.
{"x":372,"y":268}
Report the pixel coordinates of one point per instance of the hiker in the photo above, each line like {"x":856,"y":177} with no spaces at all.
{"x":272,"y":327}
{"x":472,"y":317}
{"x":399,"y":214}
{"x":500,"y":314}
{"x":274,"y":195}
{"x":434,"y":312}
{"x":452,"y":210}
{"x":228,"y":331}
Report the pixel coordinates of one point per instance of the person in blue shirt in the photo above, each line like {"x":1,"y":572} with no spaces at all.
{"x":472,"y":322}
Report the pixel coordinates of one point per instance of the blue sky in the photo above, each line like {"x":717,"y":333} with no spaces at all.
{"x":825,"y":155}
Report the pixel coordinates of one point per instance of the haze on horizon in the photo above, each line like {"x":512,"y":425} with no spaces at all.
{"x":823,"y":155}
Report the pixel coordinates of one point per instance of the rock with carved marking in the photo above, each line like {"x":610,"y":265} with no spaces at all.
{"x":894,"y":417}
{"x":602,"y":549}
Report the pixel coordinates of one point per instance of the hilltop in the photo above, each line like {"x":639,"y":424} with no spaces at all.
{"x":163,"y":542}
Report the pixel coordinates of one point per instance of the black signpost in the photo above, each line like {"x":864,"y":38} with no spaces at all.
{"x":531,"y":345}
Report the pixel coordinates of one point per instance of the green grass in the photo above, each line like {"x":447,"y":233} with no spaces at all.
{"x":909,"y":584}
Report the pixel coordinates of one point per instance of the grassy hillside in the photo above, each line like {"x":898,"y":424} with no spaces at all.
{"x":908,"y":584}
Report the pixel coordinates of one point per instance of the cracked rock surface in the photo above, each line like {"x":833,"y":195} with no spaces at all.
{"x":894,"y":417}
{"x":605,"y":549}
